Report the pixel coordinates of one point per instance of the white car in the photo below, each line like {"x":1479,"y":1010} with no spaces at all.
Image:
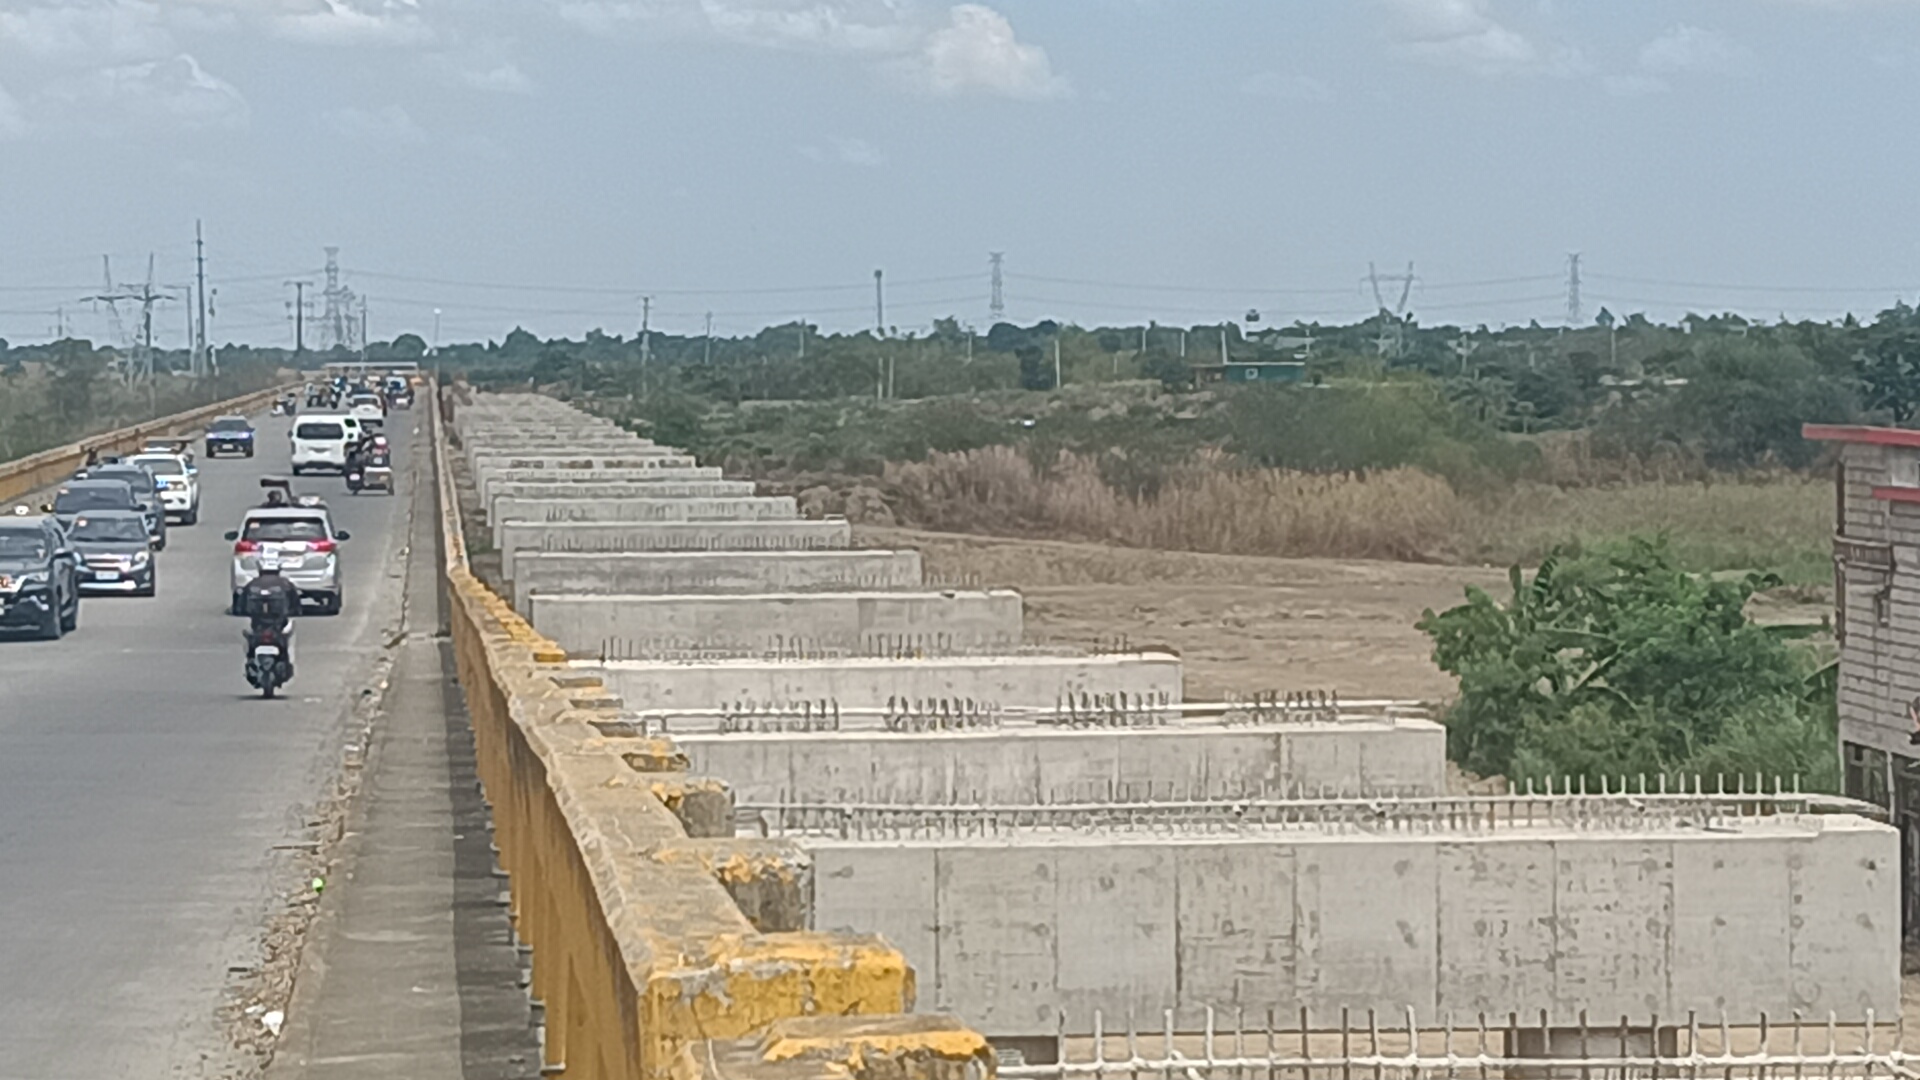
{"x":368,"y":409}
{"x":306,"y":543}
{"x":319,"y":442}
{"x":179,"y":483}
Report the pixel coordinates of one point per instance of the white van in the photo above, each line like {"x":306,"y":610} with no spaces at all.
{"x":320,"y":441}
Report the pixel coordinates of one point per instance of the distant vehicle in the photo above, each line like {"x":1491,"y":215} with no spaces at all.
{"x":305,"y":542}
{"x":399,"y":392}
{"x":146,"y":491}
{"x":39,"y":589}
{"x":230,"y":435}
{"x":368,"y":407}
{"x":78,"y":497}
{"x":116,"y":554}
{"x":320,"y":441}
{"x":180,"y":484}
{"x":181,"y":447}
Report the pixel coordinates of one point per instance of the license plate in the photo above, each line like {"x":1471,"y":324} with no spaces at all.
{"x":267,"y":651}
{"x":106,"y":575}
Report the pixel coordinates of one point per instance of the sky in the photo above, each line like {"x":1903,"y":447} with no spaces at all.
{"x":547,"y":163}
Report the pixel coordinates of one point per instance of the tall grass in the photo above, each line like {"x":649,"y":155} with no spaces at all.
{"x":1208,"y":503}
{"x":1203,"y":505}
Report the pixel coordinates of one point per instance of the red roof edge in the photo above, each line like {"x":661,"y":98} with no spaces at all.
{"x":1851,"y":433}
{"x":1897,"y":494}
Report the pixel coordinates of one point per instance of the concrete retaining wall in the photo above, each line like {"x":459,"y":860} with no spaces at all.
{"x":520,"y":536}
{"x":869,"y":683}
{"x":1025,"y":765}
{"x":1803,"y":915}
{"x":500,"y":505}
{"x":628,"y":573}
{"x":749,"y":508}
{"x":769,"y":621}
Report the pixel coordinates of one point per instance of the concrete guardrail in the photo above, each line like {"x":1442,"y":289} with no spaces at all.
{"x":661,"y":944}
{"x":37,"y":472}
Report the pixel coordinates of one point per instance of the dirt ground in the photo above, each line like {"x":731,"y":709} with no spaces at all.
{"x":1241,"y":623}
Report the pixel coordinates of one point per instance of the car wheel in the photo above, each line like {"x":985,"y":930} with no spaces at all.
{"x":153,"y":585}
{"x":71,"y":621}
{"x":297,"y":470}
{"x":332,"y":605}
{"x":52,"y":623}
{"x":239,"y":604}
{"x":191,"y":517}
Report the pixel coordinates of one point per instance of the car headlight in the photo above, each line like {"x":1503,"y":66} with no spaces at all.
{"x":32,"y":578}
{"x":139,"y":558}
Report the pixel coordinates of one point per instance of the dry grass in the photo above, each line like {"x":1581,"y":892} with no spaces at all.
{"x":1205,"y":506}
{"x":1777,"y":522}
{"x":1780,"y":523}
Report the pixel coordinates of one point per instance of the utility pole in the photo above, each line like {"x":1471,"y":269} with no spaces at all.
{"x":879,"y":306}
{"x":363,"y":329}
{"x":299,"y":316}
{"x":1573,"y":289}
{"x":1183,"y":344}
{"x":803,"y":337}
{"x":646,"y":333}
{"x":708,"y":358}
{"x":997,"y":307}
{"x":1056,"y":362}
{"x":200,"y":364}
{"x":1223,"y":344}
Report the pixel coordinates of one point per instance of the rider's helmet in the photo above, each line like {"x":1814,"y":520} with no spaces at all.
{"x":276,"y":497}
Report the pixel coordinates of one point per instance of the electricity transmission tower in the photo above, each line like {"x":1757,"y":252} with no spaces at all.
{"x":139,"y":362}
{"x":1392,"y":342}
{"x":997,"y":306}
{"x":339,"y":328}
{"x":1573,"y":289}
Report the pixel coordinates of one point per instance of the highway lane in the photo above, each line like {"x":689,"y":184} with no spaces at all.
{"x":144,"y":786}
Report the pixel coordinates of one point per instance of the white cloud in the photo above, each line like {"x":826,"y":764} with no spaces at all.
{"x":847,"y":151}
{"x":973,"y":49}
{"x":1683,"y":48}
{"x":93,"y":32}
{"x":1634,"y":85}
{"x":337,"y":22}
{"x":13,"y":119}
{"x":1272,"y":84}
{"x":391,"y":124}
{"x":174,"y":93}
{"x":1465,"y":34}
{"x":977,"y":51}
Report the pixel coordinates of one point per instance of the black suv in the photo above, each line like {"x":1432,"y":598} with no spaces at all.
{"x":146,"y":492}
{"x":39,"y":589}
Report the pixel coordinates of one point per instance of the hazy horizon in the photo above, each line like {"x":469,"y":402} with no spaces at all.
{"x":545,"y":164}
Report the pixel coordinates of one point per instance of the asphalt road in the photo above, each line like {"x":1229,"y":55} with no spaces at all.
{"x":144,"y":788}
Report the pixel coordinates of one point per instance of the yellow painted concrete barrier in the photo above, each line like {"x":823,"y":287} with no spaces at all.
{"x":646,"y":962}
{"x":37,"y":472}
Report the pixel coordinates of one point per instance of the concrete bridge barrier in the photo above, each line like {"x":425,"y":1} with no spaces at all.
{"x":642,"y":952}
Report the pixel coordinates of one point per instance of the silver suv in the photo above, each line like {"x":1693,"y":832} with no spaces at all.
{"x":306,"y":543}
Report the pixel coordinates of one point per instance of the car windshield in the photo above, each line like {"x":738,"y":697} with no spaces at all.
{"x":229,"y":426}
{"x":108,"y":528}
{"x":162,"y":466}
{"x":23,"y":544}
{"x":105,"y":497}
{"x":275,"y":530}
{"x":319,"y":431}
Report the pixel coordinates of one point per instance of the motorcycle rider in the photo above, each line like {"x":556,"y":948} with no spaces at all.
{"x":271,"y":602}
{"x":276,"y":500}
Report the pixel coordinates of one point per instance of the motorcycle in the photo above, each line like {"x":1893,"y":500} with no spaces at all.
{"x":268,"y":665}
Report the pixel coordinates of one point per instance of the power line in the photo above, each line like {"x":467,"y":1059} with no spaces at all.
{"x":1828,"y":289}
{"x":601,"y":290}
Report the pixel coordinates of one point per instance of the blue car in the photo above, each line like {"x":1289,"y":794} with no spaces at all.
{"x":230,"y":435}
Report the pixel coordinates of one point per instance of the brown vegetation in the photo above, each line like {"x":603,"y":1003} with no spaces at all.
{"x":1204,"y":505}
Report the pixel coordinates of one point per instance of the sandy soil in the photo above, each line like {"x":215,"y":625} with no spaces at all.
{"x":1241,"y":623}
